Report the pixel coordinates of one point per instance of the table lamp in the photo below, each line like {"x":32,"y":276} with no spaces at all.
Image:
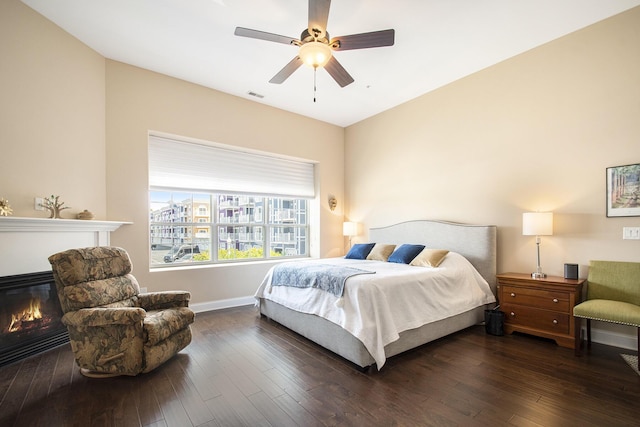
{"x":537,"y":224}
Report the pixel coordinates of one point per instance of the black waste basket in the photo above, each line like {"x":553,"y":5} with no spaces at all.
{"x":494,"y":322}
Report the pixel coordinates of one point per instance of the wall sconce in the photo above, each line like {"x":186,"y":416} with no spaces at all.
{"x":333,"y":202}
{"x":537,"y":224}
{"x":350,"y":229}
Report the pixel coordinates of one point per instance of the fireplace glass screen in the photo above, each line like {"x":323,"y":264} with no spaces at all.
{"x":30,"y":316}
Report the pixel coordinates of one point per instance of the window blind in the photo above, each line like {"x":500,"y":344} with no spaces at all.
{"x":177,"y":164}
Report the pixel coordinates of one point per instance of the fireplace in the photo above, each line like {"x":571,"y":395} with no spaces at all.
{"x":25,"y":245}
{"x":30,"y":316}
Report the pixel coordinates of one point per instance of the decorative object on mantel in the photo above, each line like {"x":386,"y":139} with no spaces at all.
{"x":85,"y":214}
{"x":54,"y":206}
{"x":5,"y":208}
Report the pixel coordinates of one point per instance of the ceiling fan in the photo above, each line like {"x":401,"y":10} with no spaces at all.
{"x":316,"y":46}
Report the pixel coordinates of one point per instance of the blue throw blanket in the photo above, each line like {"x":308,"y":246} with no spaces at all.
{"x":329,"y":278}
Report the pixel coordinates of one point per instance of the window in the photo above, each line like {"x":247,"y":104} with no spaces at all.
{"x":179,"y":237}
{"x":200,"y":213}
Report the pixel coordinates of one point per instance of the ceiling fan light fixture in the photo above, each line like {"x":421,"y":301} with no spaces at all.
{"x":315,"y":46}
{"x":315,"y":54}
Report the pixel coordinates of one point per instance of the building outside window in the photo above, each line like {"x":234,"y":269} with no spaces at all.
{"x":181,"y":225}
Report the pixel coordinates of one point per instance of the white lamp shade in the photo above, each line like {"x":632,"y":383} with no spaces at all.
{"x":537,"y":224}
{"x":349,"y":228}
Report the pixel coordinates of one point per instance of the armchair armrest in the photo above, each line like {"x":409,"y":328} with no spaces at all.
{"x":104,"y":316}
{"x":166,"y":299}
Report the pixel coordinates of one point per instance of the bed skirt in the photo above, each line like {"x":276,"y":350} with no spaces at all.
{"x":338,"y":340}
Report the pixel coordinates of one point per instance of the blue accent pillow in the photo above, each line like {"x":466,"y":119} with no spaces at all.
{"x":360,"y":251}
{"x":404,"y":254}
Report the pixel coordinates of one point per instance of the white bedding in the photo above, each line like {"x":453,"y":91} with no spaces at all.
{"x":398,"y":297}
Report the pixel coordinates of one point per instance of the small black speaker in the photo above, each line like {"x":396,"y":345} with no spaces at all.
{"x":571,"y":271}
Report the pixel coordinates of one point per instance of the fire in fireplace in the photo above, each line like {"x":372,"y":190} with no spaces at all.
{"x":30,"y":316}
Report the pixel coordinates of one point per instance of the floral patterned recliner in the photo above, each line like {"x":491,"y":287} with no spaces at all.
{"x":113,"y":328}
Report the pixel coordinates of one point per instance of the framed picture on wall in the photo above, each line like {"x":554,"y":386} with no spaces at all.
{"x":623,"y":190}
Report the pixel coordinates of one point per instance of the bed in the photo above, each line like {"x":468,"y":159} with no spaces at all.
{"x":473,"y":244}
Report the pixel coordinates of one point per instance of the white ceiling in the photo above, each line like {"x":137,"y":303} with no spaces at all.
{"x":437,"y":42}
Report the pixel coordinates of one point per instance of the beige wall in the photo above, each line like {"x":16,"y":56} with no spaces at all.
{"x":75,"y":124}
{"x":139,"y":101}
{"x":52,"y":122}
{"x":535,"y":132}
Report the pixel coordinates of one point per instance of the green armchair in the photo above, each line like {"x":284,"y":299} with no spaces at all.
{"x":113,"y":328}
{"x":613,"y":295}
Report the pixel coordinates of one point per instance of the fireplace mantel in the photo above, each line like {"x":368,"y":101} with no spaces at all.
{"x":56,"y":225}
{"x":26,"y":243}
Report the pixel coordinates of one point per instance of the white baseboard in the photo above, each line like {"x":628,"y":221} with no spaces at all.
{"x":201,"y":307}
{"x":614,"y":339}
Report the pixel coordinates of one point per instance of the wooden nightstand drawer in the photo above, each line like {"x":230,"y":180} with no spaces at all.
{"x":542,"y":307}
{"x":548,"y":299}
{"x":545,"y":320}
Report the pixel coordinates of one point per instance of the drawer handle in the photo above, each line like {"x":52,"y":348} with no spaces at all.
{"x":512,"y":314}
{"x":555,"y":322}
{"x":555,"y":300}
{"x":513,"y":294}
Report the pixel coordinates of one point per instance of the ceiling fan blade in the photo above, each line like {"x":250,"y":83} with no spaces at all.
{"x":288,"y":69}
{"x":318,"y":16}
{"x":261,"y":35}
{"x":338,"y":72}
{"x":364,"y":40}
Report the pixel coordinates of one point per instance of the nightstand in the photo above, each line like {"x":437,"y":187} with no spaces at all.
{"x":541,"y":307}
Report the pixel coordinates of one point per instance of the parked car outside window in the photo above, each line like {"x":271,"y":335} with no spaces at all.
{"x":178,"y":252}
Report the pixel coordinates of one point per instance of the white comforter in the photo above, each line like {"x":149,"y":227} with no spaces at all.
{"x":398,"y":297}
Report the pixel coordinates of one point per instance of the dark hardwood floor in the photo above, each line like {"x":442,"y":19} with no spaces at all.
{"x":241,"y":370}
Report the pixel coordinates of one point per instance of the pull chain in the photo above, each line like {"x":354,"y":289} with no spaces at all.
{"x":315,"y":71}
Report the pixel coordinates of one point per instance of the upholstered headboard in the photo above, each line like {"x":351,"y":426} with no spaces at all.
{"x":477,"y":243}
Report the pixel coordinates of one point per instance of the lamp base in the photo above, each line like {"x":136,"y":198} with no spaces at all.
{"x":537,"y":275}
